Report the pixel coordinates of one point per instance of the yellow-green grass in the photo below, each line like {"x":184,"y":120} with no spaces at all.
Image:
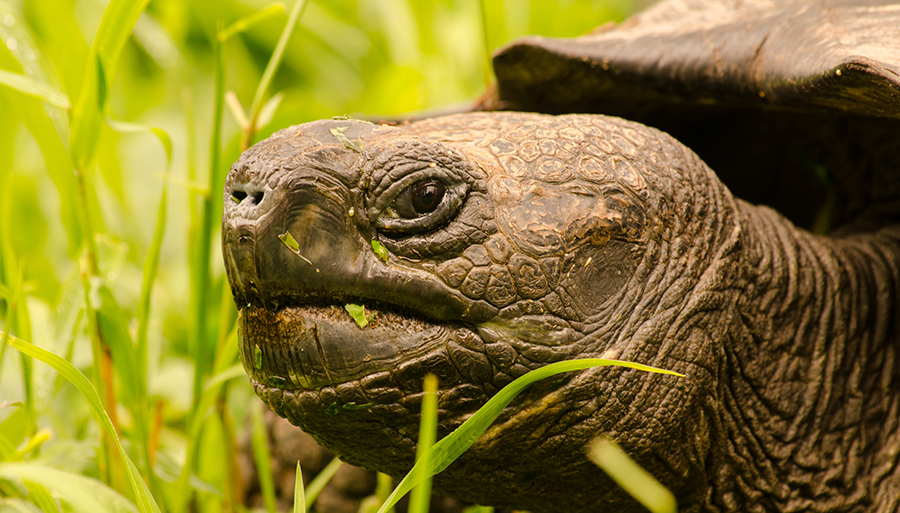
{"x":119,"y":121}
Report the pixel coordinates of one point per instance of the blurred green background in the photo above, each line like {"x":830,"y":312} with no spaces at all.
{"x":367,"y":59}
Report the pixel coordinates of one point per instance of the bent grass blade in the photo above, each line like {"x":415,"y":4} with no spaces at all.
{"x":31,"y":87}
{"x":453,"y":445}
{"x":79,"y":493}
{"x":145,"y":501}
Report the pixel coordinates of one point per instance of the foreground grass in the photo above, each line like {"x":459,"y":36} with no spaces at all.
{"x":109,"y":229}
{"x":431,"y":458}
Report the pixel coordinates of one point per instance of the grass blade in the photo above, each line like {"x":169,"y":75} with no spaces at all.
{"x":8,"y":451}
{"x":318,"y":483}
{"x":383,"y":486}
{"x":41,"y":496}
{"x":237,"y":110}
{"x":115,"y":28}
{"x":113,"y":324}
{"x":269,"y":72}
{"x":15,"y":505}
{"x":151,"y":264}
{"x":262,"y":457}
{"x":31,"y":87}
{"x":248,"y":21}
{"x":145,"y":501}
{"x":453,"y":445}
{"x":82,"y":494}
{"x":202,"y":250}
{"x":204,"y":404}
{"x":639,"y":483}
{"x":299,"y":494}
{"x":267,"y":112}
{"x":421,"y":495}
{"x":487,"y":66}
{"x":30,"y":112}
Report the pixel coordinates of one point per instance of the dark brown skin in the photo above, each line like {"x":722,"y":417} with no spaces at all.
{"x":630,"y":249}
{"x":591,"y":236}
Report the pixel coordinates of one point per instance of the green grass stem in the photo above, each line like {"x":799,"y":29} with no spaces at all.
{"x":384,"y":484}
{"x":639,"y":483}
{"x":453,"y":445}
{"x":195,"y":429}
{"x":487,"y":67}
{"x":263,"y":458}
{"x":322,"y":478}
{"x":269,"y":73}
{"x":202,"y":250}
{"x":115,"y":28}
{"x":420,"y":496}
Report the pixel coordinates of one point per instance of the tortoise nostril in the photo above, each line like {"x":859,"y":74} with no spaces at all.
{"x":238,"y":196}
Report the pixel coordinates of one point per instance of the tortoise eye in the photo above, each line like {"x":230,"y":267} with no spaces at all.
{"x":421,"y":206}
{"x":419,"y":199}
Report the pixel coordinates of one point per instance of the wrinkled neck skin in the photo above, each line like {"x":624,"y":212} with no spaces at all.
{"x":789,"y":343}
{"x":808,"y":389}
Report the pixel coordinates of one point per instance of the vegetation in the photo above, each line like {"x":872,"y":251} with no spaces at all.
{"x":119,"y":121}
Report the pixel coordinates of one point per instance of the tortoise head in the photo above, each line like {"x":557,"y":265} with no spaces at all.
{"x":481,"y":246}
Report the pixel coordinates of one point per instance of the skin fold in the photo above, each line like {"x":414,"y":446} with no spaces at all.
{"x":514,"y":240}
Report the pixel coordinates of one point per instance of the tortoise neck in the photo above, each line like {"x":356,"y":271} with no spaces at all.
{"x":810,"y":383}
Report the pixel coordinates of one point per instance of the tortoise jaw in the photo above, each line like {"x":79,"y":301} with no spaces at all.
{"x":309,"y":347}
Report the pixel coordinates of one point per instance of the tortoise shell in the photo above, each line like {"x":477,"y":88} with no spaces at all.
{"x":794,"y":104}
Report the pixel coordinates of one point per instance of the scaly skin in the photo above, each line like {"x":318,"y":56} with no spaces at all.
{"x":557,"y":238}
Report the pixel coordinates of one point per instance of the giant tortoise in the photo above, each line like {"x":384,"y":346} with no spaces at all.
{"x":509,"y":240}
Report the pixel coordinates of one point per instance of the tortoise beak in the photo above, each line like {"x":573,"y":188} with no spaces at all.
{"x":295,"y":252}
{"x":298,"y":237}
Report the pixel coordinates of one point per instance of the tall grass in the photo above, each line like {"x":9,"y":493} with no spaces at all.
{"x":114,"y":143}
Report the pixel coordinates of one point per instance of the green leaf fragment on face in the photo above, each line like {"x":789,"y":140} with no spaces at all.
{"x":380,"y":250}
{"x":333,"y":409}
{"x":338,"y":134}
{"x":293,"y":245}
{"x":257,"y":357}
{"x":289,"y":241}
{"x":354,"y":406}
{"x":358,"y":312}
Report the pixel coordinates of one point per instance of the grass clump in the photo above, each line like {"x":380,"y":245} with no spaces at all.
{"x":114,"y":145}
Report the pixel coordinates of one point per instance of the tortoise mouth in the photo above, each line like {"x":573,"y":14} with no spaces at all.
{"x":308,"y":347}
